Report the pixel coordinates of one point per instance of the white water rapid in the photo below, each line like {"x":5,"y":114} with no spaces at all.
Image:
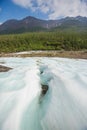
{"x":62,"y":107}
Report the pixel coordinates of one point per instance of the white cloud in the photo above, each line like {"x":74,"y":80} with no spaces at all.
{"x":56,"y":8}
{"x":23,"y":3}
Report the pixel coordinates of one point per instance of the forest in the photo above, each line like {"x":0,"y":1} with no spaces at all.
{"x":68,"y":41}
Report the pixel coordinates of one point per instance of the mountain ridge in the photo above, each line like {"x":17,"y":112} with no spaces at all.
{"x":32,"y":24}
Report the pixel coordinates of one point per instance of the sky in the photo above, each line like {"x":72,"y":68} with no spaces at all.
{"x":43,"y":9}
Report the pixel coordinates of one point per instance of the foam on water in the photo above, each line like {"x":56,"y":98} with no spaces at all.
{"x":63,"y":107}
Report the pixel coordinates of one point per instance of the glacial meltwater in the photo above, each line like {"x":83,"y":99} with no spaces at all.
{"x":43,"y":94}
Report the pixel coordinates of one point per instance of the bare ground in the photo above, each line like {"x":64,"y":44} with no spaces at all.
{"x":64,"y":54}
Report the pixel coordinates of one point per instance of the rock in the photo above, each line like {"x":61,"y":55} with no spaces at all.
{"x":4,"y":68}
{"x":44,"y":89}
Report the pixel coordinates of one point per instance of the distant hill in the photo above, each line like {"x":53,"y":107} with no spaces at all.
{"x":32,"y":24}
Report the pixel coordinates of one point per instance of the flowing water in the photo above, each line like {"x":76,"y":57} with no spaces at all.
{"x":62,"y":107}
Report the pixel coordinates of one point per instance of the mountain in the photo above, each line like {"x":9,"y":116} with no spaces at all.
{"x":32,"y":24}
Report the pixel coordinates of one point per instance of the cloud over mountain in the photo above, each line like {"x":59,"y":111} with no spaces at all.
{"x":56,"y":8}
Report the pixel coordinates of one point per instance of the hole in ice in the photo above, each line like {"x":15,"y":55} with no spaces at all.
{"x":44,"y":89}
{"x":41,"y":72}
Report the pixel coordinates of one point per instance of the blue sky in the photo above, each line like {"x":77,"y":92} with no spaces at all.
{"x":10,"y":10}
{"x":43,"y":9}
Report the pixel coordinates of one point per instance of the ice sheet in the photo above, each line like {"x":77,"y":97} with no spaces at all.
{"x":64,"y":107}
